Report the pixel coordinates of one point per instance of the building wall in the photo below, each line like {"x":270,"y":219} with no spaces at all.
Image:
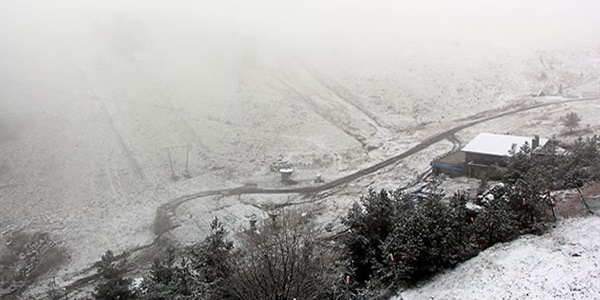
{"x":451,"y":164}
{"x":484,"y":171}
{"x":484,"y":159}
{"x":470,"y":164}
{"x":480,"y":165}
{"x":448,"y":169}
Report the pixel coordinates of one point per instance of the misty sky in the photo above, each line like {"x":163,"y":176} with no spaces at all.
{"x":317,"y":23}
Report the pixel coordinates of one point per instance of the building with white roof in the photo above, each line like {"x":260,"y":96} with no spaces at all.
{"x":488,"y":151}
{"x":501,"y":145}
{"x":482,"y":156}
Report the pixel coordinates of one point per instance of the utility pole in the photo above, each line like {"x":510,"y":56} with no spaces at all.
{"x":173,"y":176}
{"x":186,"y":173}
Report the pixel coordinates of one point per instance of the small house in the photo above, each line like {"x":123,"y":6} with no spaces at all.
{"x":482,"y":156}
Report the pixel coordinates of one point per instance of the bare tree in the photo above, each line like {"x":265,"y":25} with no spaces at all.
{"x":285,"y":258}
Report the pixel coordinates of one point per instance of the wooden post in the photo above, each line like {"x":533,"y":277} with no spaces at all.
{"x":173,"y":176}
{"x":187,"y":160}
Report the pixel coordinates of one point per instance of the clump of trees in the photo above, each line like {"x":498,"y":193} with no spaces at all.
{"x":397,"y":240}
{"x":283,"y":258}
{"x":200,"y":271}
{"x":556,"y":168}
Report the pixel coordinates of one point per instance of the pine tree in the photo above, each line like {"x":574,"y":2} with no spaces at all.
{"x":571,"y":121}
{"x":115,"y":286}
{"x":369,"y":223}
{"x":426,"y":239}
{"x":211,"y":260}
{"x":198,"y":272}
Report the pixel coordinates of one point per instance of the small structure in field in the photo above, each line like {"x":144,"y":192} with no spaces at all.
{"x":286,"y":173}
{"x":284,"y":168}
{"x":319,"y":179}
{"x":482,"y":156}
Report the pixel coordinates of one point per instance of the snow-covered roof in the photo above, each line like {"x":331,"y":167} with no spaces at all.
{"x":286,"y":170}
{"x":498,"y":144}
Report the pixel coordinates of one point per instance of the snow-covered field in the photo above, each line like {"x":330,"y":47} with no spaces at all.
{"x":97,"y":98}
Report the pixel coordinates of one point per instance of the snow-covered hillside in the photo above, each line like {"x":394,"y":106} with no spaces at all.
{"x":563,"y":264}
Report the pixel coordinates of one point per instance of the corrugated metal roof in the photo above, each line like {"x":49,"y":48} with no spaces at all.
{"x":498,"y":144}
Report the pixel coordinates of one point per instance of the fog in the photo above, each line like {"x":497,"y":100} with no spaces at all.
{"x":110,"y":110}
{"x":353,"y":29}
{"x":220,"y":38}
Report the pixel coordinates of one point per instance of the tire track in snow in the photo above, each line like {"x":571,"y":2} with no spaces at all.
{"x":125,"y":148}
{"x":456,"y":143}
{"x":168,"y":105}
{"x":324,"y":114}
{"x":347,"y":96}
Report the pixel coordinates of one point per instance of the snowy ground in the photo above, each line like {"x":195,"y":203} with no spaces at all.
{"x":562,"y":264}
{"x":93,"y":102}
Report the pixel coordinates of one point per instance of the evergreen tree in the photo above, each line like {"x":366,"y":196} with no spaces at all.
{"x":571,"y":121}
{"x":495,"y":223}
{"x":425,"y":240}
{"x":115,"y":286}
{"x":212,"y":262}
{"x":200,"y":272}
{"x":211,"y":258}
{"x":369,"y":223}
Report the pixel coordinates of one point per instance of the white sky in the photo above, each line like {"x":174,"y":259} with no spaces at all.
{"x":390,"y":23}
